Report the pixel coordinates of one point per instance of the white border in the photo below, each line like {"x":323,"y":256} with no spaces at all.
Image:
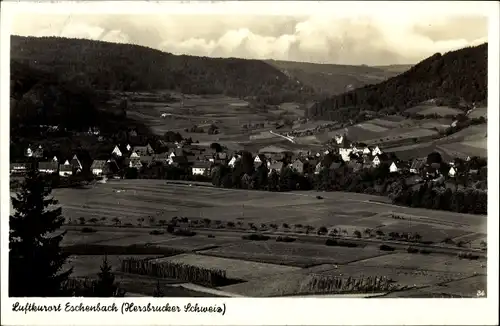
{"x":245,"y":311}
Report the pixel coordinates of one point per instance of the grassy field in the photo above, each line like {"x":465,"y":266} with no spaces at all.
{"x":235,"y":268}
{"x":425,"y":262}
{"x":146,"y":202}
{"x":293,"y":254}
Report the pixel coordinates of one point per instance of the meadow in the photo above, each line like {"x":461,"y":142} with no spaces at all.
{"x":123,"y":212}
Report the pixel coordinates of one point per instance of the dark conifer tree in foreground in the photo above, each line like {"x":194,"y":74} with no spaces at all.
{"x":105,"y":286}
{"x":35,"y":254}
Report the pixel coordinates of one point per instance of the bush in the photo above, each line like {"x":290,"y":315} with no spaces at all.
{"x":386,"y":248}
{"x":211,"y":236}
{"x":88,"y":230}
{"x":468,"y":255}
{"x":170,"y":228}
{"x":157,"y":232}
{"x":332,"y":242}
{"x":425,"y":251}
{"x":184,"y":232}
{"x":255,"y":237}
{"x":412,"y":250}
{"x":285,"y":239}
{"x":322,"y":230}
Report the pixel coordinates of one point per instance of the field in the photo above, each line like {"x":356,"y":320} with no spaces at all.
{"x":236,"y":269}
{"x":293,"y":254}
{"x":239,"y":122}
{"x":425,"y":262}
{"x":279,"y":268}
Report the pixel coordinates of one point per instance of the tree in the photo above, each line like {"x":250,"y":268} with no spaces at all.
{"x":35,"y":255}
{"x":434,"y":157}
{"x":116,"y":221}
{"x":158,"y":291}
{"x":105,"y":285}
{"x":322,"y":230}
{"x":357,"y":234}
{"x":216,"y":146}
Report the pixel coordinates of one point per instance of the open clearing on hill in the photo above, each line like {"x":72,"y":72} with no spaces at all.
{"x":235,"y":269}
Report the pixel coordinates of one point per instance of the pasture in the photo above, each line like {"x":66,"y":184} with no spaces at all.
{"x":292,"y":254}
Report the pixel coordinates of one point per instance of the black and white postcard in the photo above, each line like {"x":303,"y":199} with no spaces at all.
{"x":249,"y":163}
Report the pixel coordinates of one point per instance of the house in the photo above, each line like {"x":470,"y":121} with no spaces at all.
{"x":19,"y":167}
{"x":318,"y":168}
{"x":134,"y":163}
{"x":28,"y":152}
{"x":339,"y":139}
{"x":259,"y":159}
{"x":233,"y":161}
{"x":128,"y":147}
{"x":376,"y":161}
{"x":276,"y":167}
{"x":298,"y":166}
{"x":201,"y":168}
{"x":144,"y":150}
{"x":366,"y":151}
{"x":65,"y":169}
{"x":98,"y":167}
{"x":134,"y":155}
{"x":116,"y":151}
{"x":393,"y":167}
{"x":416,"y":166}
{"x":48,"y":167}
{"x":452,"y":172}
{"x":345,"y":153}
{"x":376,"y":151}
{"x":54,"y":159}
{"x":94,"y":131}
{"x":75,"y":163}
{"x":161,"y":158}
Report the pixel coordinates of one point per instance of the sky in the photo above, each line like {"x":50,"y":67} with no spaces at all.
{"x":340,"y":33}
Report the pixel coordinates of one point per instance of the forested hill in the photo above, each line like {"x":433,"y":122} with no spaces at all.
{"x":103,"y":65}
{"x":333,"y":79}
{"x":457,"y":74}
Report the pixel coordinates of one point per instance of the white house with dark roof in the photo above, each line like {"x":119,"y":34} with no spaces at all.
{"x":55,"y":159}
{"x":366,"y":151}
{"x":376,"y":161}
{"x":116,"y":151}
{"x":452,"y":172}
{"x":376,"y":151}
{"x":393,"y":167}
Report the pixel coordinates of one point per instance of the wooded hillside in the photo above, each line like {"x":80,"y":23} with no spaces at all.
{"x":460,"y":74}
{"x":127,"y":67}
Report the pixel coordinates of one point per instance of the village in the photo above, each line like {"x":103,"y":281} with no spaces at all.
{"x":201,"y":162}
